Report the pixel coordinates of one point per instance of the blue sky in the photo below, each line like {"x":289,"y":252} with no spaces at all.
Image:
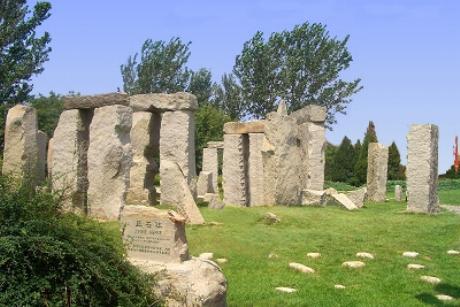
{"x":407,"y":52}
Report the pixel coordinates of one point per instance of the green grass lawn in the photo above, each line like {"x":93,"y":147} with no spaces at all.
{"x":382,"y":229}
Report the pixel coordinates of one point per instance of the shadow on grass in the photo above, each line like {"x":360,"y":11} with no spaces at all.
{"x":430,"y":299}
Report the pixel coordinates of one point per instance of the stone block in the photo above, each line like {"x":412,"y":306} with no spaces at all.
{"x":204,"y":184}
{"x":377,"y":172}
{"x":399,"y":195}
{"x":95,"y":101}
{"x":211,"y":164}
{"x":244,"y":128}
{"x":235,"y":169}
{"x":255,"y":167}
{"x":163,"y":102}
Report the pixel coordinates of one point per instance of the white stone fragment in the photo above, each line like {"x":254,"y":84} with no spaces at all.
{"x":221,"y":260}
{"x":339,"y":287}
{"x":444,"y":297}
{"x":353,"y":264}
{"x":364,"y":255}
{"x":414,"y":266}
{"x":410,"y":254}
{"x":314,"y":255}
{"x":301,"y":268}
{"x":206,"y":256}
{"x":431,"y":279}
{"x":453,"y":252}
{"x":285,"y":290}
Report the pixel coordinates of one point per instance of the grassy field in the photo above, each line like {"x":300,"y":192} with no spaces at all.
{"x":382,"y":229}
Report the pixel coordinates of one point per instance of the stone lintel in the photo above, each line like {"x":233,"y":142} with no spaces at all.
{"x":163,"y":102}
{"x":244,"y":128}
{"x":95,"y":101}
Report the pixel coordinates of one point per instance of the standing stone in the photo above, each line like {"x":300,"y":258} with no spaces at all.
{"x":422,"y":168}
{"x":211,"y":164}
{"x":398,"y":193}
{"x":144,"y":143}
{"x":177,"y":141}
{"x":49,"y":159}
{"x":204,"y":184}
{"x":234,"y":169}
{"x":315,"y":155}
{"x":68,"y":155}
{"x":377,"y":172}
{"x":256,"y":170}
{"x":20,"y":156}
{"x":42,"y":141}
{"x":109,"y":161}
{"x":176,"y":192}
{"x":151,"y":234}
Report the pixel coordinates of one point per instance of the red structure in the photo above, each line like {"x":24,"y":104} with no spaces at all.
{"x":456,"y":157}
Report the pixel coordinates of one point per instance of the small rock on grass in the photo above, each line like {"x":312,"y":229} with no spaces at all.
{"x":313,"y":255}
{"x":340,"y":287}
{"x":271,"y":218}
{"x":206,"y":256}
{"x":301,"y":268}
{"x":414,"y":266}
{"x":365,"y":255}
{"x":221,"y":260}
{"x":285,"y":290}
{"x":353,"y":264}
{"x":410,"y":254}
{"x":444,"y":297}
{"x":431,"y":279}
{"x":272,"y":256}
{"x":453,"y":252}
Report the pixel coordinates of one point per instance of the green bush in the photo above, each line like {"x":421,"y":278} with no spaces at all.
{"x":48,"y":258}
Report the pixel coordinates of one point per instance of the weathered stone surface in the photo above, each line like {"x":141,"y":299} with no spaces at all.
{"x":211,"y":165}
{"x":339,"y":287}
{"x":301,"y":268}
{"x":109,"y":161}
{"x":377,"y":172}
{"x":234,"y":169}
{"x":196,"y":282}
{"x":358,"y":197}
{"x":49,"y":158}
{"x":315,"y":142}
{"x":244,"y":128}
{"x":20,"y":155}
{"x":285,"y":289}
{"x":271,"y":218}
{"x":365,"y":255}
{"x":154,"y":235}
{"x":216,"y":144}
{"x":444,"y":297}
{"x":415,"y":266}
{"x":422,"y":168}
{"x":204,"y":183}
{"x":314,"y":255}
{"x":42,"y":143}
{"x":95,"y":101}
{"x":176,"y":192}
{"x":431,"y":279}
{"x":311,"y":113}
{"x":69,"y":158}
{"x":214,"y":201}
{"x":206,"y":256}
{"x":145,"y":146}
{"x":312,"y":197}
{"x":177,"y":141}
{"x":163,"y":102}
{"x":399,"y":193}
{"x":282,"y":108}
{"x":353,"y":264}
{"x":255,"y":178}
{"x":343,"y":200}
{"x":221,"y":260}
{"x":410,"y":254}
{"x":453,"y":252}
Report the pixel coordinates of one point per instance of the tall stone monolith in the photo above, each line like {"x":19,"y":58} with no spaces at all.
{"x":398,"y":193}
{"x":211,"y":164}
{"x":109,"y":161}
{"x":235,"y":169}
{"x":68,"y":158}
{"x":422,"y":168}
{"x":315,"y":159}
{"x":20,"y":155}
{"x":377,"y":172}
{"x":255,"y":178}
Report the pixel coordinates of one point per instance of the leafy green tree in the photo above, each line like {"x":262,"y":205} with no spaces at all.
{"x":301,"y":66}
{"x":343,"y":162}
{"x":201,"y":85}
{"x":161,"y":69}
{"x":228,"y":97}
{"x":49,"y":109}
{"x":209,"y":127}
{"x":330,"y":152}
{"x":395,"y":169}
{"x":451,"y":173}
{"x":361,"y":163}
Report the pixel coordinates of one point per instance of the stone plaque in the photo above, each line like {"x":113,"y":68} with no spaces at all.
{"x":154,"y":235}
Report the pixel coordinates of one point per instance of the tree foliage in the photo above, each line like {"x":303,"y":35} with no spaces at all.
{"x":201,"y":86}
{"x":301,"y":66}
{"x":344,"y":162}
{"x":396,"y":171}
{"x":49,"y":258}
{"x":161,"y":68}
{"x":49,"y":109}
{"x":361,"y":163}
{"x":228,"y":97}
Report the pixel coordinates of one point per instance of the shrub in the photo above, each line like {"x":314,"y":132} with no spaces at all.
{"x":50,"y":258}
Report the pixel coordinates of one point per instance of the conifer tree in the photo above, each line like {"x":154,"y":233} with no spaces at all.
{"x":361,"y":163}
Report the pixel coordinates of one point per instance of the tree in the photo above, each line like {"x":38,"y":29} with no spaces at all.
{"x":22,"y":52}
{"x":162,"y":68}
{"x":228,"y":97}
{"x":395,"y":169}
{"x":330,"y":152}
{"x":361,"y":163}
{"x":301,"y":66}
{"x":48,"y":111}
{"x":343,"y":162}
{"x":201,"y":85}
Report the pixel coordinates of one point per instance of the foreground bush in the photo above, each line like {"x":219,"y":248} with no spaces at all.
{"x":48,"y":258}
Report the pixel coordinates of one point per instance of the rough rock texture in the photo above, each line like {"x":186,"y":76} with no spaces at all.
{"x":310,"y":113}
{"x":211,"y":164}
{"x":255,"y":178}
{"x":285,"y":289}
{"x":69,"y":158}
{"x":176,"y":192}
{"x":364,"y":255}
{"x":214,"y":201}
{"x":327,"y":197}
{"x":163,"y":102}
{"x":145,"y":146}
{"x":42,"y":143}
{"x":422,"y":168}
{"x":343,"y":200}
{"x":312,"y":197}
{"x":431,"y":279}
{"x":282,"y":108}
{"x":358,"y":197}
{"x":234,"y":169}
{"x":398,"y":193}
{"x":216,"y":144}
{"x":315,"y":142}
{"x":193,"y":283}
{"x":154,"y":235}
{"x":204,"y":183}
{"x":377,"y":172}
{"x":96,"y":101}
{"x":244,"y":128}
{"x":20,"y":155}
{"x":109,"y":161}
{"x":301,"y":268}
{"x":177,"y":141}
{"x":353,"y":264}
{"x":49,"y":158}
